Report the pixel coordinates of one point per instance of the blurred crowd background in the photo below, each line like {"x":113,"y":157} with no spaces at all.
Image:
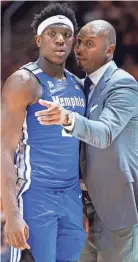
{"x":18,"y":44}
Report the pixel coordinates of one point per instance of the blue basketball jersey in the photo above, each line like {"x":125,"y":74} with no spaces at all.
{"x":45,"y":157}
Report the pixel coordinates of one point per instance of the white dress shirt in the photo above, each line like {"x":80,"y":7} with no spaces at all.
{"x":95,"y":78}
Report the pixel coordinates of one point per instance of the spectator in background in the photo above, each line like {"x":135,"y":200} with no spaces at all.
{"x":131,"y":66}
{"x":122,"y":15}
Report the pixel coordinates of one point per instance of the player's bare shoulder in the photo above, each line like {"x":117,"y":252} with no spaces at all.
{"x":22,"y":86}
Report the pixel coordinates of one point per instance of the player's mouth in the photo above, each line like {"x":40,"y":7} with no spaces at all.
{"x":60,"y":52}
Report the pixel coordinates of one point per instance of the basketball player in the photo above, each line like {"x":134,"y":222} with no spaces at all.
{"x":45,"y":215}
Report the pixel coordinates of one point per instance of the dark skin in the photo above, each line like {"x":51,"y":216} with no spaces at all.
{"x":20,"y":90}
{"x":56,"y":43}
{"x":92,"y":49}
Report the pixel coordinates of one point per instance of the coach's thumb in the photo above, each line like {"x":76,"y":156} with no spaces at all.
{"x":45,"y":103}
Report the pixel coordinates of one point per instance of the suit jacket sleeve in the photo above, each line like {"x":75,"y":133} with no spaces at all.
{"x":120,"y":106}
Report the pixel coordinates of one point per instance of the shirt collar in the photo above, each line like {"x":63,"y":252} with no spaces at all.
{"x":96,"y":76}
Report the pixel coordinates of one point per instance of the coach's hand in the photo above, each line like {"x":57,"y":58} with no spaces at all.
{"x":17,"y":232}
{"x":54,"y":115}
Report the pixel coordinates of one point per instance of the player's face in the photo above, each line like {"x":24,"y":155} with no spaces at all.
{"x":55,"y":43}
{"x":90,"y":50}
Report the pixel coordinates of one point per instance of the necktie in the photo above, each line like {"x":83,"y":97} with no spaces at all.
{"x":87,"y":84}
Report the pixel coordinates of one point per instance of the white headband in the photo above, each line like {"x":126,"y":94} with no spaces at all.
{"x":58,"y":19}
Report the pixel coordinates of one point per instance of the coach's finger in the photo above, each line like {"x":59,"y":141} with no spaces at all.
{"x":49,"y":117}
{"x":49,"y":111}
{"x":50,"y":122}
{"x":45,"y":103}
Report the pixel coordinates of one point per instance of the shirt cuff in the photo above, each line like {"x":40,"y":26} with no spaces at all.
{"x":71,"y":126}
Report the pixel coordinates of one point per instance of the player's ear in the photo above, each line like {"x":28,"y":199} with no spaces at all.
{"x":38,"y":40}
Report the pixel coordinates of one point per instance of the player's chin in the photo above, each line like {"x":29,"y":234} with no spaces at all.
{"x":59,"y":61}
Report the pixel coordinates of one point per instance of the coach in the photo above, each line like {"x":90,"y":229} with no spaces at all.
{"x":110,"y":153}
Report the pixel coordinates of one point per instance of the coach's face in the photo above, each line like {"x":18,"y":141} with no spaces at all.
{"x":55,"y":43}
{"x":91,"y":49}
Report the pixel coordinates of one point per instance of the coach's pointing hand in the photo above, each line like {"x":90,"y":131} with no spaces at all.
{"x":17,"y":232}
{"x":54,"y":115}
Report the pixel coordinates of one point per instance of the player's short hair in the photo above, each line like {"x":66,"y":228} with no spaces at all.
{"x":54,"y":9}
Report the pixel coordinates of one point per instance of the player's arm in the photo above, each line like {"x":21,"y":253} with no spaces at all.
{"x":120,"y":106}
{"x":18,"y":92}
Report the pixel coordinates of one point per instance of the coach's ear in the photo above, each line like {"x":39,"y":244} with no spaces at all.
{"x":38,"y":40}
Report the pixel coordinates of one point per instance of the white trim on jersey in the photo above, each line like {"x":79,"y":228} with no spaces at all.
{"x":25,"y":65}
{"x":26,"y":169}
{"x":79,"y":81}
{"x":15,"y":254}
{"x":37,"y":71}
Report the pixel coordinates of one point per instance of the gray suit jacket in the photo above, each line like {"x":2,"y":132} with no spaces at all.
{"x":110,"y":156}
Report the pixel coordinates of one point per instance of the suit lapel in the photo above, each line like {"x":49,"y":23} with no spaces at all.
{"x":96,"y":93}
{"x":101,"y":86}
